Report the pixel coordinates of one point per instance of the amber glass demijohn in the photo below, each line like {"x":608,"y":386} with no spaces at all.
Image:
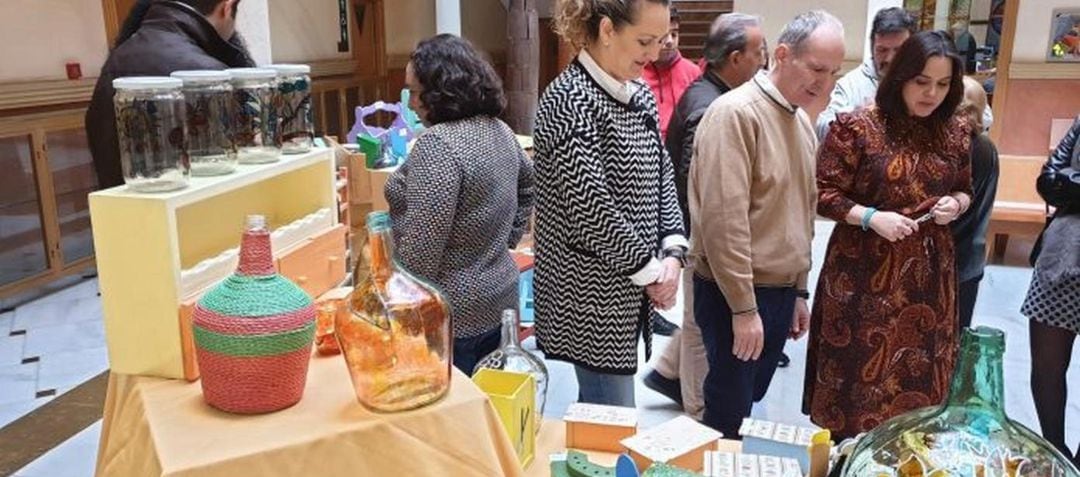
{"x":967,"y":436}
{"x":396,"y":336}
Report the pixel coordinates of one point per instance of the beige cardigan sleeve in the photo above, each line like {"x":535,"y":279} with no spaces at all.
{"x":720,"y":177}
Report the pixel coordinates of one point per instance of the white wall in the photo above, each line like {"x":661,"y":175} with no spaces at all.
{"x":37,"y":37}
{"x":1033,"y":29}
{"x":448,"y":16}
{"x":307,"y":30}
{"x":776,"y":14}
{"x":253,"y":22}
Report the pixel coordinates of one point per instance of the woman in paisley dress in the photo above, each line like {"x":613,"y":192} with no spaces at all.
{"x":883,"y":333}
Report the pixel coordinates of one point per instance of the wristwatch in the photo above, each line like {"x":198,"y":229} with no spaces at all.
{"x":678,"y":253}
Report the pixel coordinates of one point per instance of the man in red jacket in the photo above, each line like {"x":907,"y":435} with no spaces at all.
{"x":670,"y":74}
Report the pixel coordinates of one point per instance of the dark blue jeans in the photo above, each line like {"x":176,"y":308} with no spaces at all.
{"x":468,"y":351}
{"x":731,"y":384}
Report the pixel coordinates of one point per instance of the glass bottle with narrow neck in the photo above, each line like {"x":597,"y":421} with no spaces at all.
{"x":396,"y":336}
{"x":968,"y":435}
{"x":512,"y":357}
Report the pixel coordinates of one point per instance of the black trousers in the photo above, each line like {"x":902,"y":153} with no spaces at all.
{"x":966,"y":294}
{"x":469,"y":351}
{"x":731,"y":384}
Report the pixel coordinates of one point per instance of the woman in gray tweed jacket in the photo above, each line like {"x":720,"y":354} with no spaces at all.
{"x":465,"y":194}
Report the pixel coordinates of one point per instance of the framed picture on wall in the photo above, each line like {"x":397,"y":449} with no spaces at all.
{"x":1064,"y":36}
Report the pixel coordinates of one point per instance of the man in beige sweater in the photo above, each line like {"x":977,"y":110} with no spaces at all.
{"x":752,"y":203}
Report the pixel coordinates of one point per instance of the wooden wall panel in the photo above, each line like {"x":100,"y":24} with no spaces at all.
{"x":1028,"y":110}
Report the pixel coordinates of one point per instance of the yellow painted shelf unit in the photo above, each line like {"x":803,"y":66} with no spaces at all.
{"x":145,"y":241}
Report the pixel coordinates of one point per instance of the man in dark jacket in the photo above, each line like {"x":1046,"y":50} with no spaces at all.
{"x":969,"y":231}
{"x":159,"y":37}
{"x":734,"y":52}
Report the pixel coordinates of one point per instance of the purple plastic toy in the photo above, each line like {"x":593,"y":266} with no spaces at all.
{"x":360,"y":127}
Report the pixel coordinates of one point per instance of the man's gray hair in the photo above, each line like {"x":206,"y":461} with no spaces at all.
{"x":728,"y":35}
{"x":799,"y":30}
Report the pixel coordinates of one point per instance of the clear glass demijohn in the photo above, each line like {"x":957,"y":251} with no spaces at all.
{"x":510,"y":356}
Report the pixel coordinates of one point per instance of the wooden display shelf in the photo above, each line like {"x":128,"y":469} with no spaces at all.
{"x":144,"y":241}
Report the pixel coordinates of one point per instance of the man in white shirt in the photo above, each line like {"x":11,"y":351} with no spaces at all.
{"x":856,"y":89}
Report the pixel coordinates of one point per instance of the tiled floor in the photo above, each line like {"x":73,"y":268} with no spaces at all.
{"x":64,"y":331}
{"x":49,"y":346}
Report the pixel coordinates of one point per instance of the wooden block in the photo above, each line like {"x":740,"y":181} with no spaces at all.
{"x":359,"y":178}
{"x":378,"y":184}
{"x":187,"y":338}
{"x":317,"y":264}
{"x":734,"y":464}
{"x":524,"y":261}
{"x":782,"y":440}
{"x":681,"y":442}
{"x":599,"y":428}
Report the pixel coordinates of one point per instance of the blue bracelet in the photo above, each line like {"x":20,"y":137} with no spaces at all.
{"x":866,"y":217}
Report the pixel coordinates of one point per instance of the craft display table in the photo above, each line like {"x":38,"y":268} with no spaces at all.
{"x":161,"y":427}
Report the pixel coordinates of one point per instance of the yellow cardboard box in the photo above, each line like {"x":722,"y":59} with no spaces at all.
{"x":514,"y":398}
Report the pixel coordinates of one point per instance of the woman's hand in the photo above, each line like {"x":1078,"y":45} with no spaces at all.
{"x":892,"y":226}
{"x":946,"y":210}
{"x":663,"y":292}
{"x":671,"y":271}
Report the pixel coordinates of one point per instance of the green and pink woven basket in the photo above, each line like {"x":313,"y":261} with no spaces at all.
{"x":253,"y":334}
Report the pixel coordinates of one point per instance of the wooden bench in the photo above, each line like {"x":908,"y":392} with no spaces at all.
{"x":1018,"y":208}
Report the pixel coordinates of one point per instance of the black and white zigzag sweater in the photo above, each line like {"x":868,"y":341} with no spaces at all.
{"x":605,"y":202}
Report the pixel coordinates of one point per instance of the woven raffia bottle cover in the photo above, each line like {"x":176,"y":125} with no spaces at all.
{"x":253,"y":333}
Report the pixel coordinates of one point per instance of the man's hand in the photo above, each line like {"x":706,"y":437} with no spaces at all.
{"x":800,"y":320}
{"x":749,"y":336}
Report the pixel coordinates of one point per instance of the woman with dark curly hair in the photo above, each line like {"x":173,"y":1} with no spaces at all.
{"x":464,"y":195}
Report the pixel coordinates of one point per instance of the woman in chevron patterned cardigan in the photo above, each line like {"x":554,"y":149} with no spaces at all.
{"x":609,"y":234}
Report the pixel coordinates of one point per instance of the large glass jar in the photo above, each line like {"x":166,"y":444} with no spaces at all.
{"x":396,"y":336}
{"x":967,"y":436}
{"x":255,"y":128}
{"x":209,"y":99}
{"x":292,"y":106}
{"x":510,"y":356}
{"x":150,"y":130}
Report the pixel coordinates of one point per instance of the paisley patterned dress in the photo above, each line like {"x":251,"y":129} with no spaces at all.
{"x":883,"y":334}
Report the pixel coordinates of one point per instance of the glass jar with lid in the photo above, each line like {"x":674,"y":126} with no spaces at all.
{"x":208,"y":96}
{"x":292,"y":106}
{"x":150,"y":116}
{"x":255,"y":131}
